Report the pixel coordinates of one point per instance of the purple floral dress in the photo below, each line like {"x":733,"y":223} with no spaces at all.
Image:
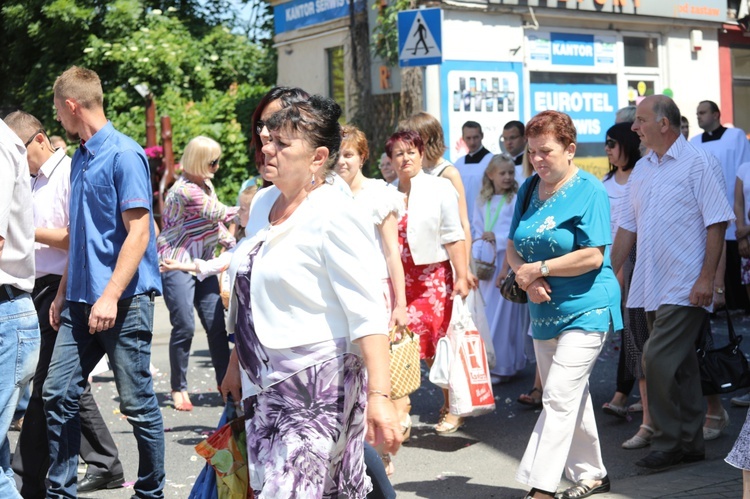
{"x":306,"y":437}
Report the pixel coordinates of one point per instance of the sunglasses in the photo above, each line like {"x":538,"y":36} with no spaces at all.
{"x":214,"y":163}
{"x":259,"y":126}
{"x":610,"y":143}
{"x":41,"y":130}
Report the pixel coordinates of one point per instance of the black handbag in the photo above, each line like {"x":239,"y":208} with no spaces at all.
{"x":725,"y":369}
{"x":509,"y":288}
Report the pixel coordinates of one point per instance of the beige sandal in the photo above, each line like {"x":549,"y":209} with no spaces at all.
{"x":637,"y":441}
{"x":443,"y":427}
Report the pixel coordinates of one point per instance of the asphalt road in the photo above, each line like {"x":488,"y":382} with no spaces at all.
{"x":479,"y":461}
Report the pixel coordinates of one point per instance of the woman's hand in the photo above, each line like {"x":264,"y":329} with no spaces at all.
{"x":399,"y":317}
{"x":744,"y":247}
{"x":460,"y":288}
{"x":527,"y":274}
{"x":539,"y":291}
{"x":232,"y":384}
{"x":383,"y":426}
{"x":489,"y":237}
{"x":168,"y":265}
{"x":472,"y":280}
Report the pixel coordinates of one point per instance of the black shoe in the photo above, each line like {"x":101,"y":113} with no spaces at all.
{"x":693,"y":457}
{"x":92,"y":482}
{"x":581,"y":490}
{"x":659,"y":460}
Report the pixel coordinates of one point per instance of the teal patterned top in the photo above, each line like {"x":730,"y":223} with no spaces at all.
{"x":576,"y":216}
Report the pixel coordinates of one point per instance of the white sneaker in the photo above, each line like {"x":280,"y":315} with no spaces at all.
{"x":742,"y":400}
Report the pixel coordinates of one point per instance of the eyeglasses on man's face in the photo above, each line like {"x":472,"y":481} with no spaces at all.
{"x":41,"y":130}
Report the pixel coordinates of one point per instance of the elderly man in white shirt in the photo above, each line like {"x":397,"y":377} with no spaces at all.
{"x":678,"y":210}
{"x":50,"y":193}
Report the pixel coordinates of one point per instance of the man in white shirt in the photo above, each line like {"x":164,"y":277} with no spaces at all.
{"x":678,"y":210}
{"x":19,"y":327}
{"x":471,"y":167}
{"x":50,"y":192}
{"x":513,"y":140}
{"x":730,"y":147}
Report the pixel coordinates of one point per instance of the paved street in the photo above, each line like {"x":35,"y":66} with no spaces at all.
{"x":479,"y":461}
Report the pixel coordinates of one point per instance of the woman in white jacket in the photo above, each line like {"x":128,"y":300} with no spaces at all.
{"x":431,"y":239}
{"x":308,"y":319}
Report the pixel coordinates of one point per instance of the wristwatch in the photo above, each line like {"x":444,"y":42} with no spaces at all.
{"x":544,"y":269}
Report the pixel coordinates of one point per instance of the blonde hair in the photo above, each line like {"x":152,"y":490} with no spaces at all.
{"x":23,"y":124}
{"x":354,"y":137}
{"x":488,"y":188}
{"x":198,"y":155}
{"x":431,"y":131}
{"x":247,"y":194}
{"x":82,"y":85}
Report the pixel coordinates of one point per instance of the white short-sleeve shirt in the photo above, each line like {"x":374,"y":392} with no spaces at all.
{"x":670,"y":204}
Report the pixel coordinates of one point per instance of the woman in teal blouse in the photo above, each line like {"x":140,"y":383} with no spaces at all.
{"x":559,"y":249}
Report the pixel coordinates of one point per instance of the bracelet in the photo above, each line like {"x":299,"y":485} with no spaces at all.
{"x":378,"y":392}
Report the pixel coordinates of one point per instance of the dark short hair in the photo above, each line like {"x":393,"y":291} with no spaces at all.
{"x":316,"y":119}
{"x":472,"y":124}
{"x":712,"y":106}
{"x":409,"y":137}
{"x":515,"y":124}
{"x":287,"y":95}
{"x":553,"y":123}
{"x":630,"y":145}
{"x":683,"y":120}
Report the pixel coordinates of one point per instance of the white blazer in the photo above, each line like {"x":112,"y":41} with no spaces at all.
{"x":311,"y":279}
{"x":433,"y":218}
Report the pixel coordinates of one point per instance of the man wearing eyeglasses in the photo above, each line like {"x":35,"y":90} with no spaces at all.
{"x":105,"y":303}
{"x":50,"y":191}
{"x":19,"y":327}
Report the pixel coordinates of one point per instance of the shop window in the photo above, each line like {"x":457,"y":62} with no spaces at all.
{"x":741,"y":86}
{"x":335,"y":56}
{"x":589,"y":98}
{"x":641,"y":52}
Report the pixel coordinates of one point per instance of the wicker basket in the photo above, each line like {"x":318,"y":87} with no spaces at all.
{"x":484,"y":270}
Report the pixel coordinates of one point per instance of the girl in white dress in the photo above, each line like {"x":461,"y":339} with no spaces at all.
{"x":384,"y":205}
{"x":491,"y":220}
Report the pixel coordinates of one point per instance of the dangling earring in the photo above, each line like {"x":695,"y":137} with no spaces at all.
{"x":313,"y":179}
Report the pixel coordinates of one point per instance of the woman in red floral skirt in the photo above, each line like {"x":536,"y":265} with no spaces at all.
{"x":431,"y":239}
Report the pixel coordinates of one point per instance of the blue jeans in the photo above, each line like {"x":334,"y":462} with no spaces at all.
{"x":128,"y":346}
{"x":182,"y":293}
{"x":19,"y":351}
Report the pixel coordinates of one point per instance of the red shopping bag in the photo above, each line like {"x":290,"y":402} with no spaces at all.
{"x":470,"y":387}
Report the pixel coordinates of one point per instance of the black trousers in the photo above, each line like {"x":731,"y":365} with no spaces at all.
{"x":31,"y":457}
{"x":734,"y":289}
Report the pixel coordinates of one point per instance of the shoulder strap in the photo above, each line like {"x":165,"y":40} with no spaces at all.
{"x":530,"y":192}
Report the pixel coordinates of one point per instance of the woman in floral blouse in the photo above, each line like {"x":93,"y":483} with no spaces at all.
{"x":194,"y":222}
{"x":559,"y":249}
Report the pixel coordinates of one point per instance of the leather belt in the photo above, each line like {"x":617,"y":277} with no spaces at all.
{"x":8,"y":292}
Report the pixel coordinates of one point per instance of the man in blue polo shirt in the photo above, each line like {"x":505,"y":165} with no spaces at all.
{"x":105,"y":302}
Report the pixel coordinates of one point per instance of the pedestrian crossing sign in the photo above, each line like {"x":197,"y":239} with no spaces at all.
{"x":420,"y":40}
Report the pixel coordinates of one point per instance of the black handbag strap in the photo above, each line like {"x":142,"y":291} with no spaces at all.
{"x":733,"y":338}
{"x":529,"y":193}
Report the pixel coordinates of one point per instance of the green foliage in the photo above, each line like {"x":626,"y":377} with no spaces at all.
{"x":385,"y":33}
{"x":205,"y":76}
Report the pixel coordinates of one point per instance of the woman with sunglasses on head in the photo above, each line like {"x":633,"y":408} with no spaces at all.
{"x":622,"y":147}
{"x":194,"y":222}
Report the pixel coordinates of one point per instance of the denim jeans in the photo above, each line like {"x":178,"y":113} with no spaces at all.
{"x":128,"y":346}
{"x":182,"y":293}
{"x":19,"y":351}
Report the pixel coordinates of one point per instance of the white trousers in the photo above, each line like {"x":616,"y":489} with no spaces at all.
{"x":565,"y":436}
